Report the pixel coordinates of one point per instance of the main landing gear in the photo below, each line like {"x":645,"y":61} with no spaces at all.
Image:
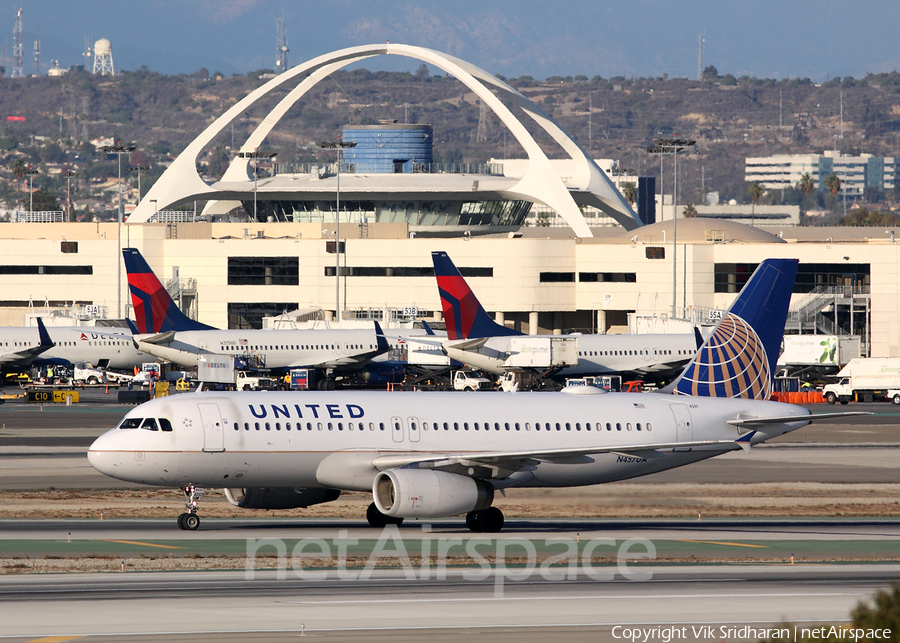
{"x":380,"y":520}
{"x":488,"y":520}
{"x":190,"y":520}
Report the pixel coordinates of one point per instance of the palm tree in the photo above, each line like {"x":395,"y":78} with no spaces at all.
{"x":806,"y":184}
{"x":756,"y":191}
{"x":689,"y":211}
{"x":629,"y":191}
{"x":19,"y":169}
{"x":833,"y":183}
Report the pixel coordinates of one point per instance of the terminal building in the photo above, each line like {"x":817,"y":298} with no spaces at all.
{"x":397,"y":206}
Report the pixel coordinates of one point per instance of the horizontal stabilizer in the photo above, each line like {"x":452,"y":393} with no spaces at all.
{"x":815,"y":417}
{"x":158,"y":339}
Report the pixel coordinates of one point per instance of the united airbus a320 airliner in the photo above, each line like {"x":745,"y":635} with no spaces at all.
{"x":435,"y":454}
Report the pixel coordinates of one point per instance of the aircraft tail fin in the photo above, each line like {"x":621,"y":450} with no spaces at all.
{"x":463,"y":313}
{"x":154,"y":310}
{"x":738,"y":359}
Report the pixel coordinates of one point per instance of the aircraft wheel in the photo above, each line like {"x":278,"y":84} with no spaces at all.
{"x":472,"y":521}
{"x":490,"y":520}
{"x":181,"y":521}
{"x":329,"y":385}
{"x":191,"y":521}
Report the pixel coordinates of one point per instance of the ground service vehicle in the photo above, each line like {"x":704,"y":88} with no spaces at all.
{"x":866,"y":380}
{"x":470,"y":381}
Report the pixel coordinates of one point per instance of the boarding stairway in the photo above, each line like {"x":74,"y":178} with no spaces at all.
{"x":806,"y":312}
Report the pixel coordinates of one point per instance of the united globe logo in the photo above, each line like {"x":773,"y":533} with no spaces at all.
{"x":732,"y":363}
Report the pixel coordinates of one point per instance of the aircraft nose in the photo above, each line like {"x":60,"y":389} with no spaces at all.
{"x":103,"y":457}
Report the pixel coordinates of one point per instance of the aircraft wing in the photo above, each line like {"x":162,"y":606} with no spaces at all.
{"x":501,"y":464}
{"x":25,"y":356}
{"x":361,"y":359}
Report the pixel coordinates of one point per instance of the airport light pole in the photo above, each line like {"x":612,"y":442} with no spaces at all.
{"x":31,"y":172}
{"x":255,"y":154}
{"x":339,"y":145}
{"x":69,"y":174}
{"x":139,"y":169}
{"x":672,"y":146}
{"x":119,"y":150}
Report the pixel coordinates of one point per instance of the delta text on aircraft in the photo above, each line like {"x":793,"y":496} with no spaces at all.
{"x":23,"y":347}
{"x":165,"y":332}
{"x":427,"y":455}
{"x":479,"y":342}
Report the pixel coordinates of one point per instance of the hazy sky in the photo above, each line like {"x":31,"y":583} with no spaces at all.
{"x":764,"y":38}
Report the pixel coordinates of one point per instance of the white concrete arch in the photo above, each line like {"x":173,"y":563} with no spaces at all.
{"x":540,"y":182}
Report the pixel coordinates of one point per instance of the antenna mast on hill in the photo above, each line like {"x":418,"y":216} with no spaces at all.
{"x":700,"y":56}
{"x":87,"y":55}
{"x":281,"y":48}
{"x":17,"y":71}
{"x":37,"y":50}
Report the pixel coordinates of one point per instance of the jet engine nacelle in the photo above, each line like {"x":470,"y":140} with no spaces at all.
{"x":279,"y":497}
{"x":382,"y":373}
{"x":423,"y":493}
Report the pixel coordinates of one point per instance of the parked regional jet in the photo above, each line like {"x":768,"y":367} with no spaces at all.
{"x":164,"y":331}
{"x":478,"y":341}
{"x":435,"y":454}
{"x":27,"y":346}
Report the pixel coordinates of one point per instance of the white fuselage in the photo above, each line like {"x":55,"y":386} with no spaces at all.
{"x":91,"y":344}
{"x":278,"y":348}
{"x":315,"y":439}
{"x":637,"y":355}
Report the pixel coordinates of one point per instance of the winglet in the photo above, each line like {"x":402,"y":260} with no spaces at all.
{"x":381,"y":342}
{"x":132,"y":327}
{"x":44,"y":336}
{"x":744,"y":441}
{"x":463,"y":313}
{"x":154,"y":310}
{"x":428,"y":329}
{"x":738,"y":359}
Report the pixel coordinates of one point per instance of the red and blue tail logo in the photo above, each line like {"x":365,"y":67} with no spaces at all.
{"x":154,"y":310}
{"x":463,"y":314}
{"x":738,"y":360}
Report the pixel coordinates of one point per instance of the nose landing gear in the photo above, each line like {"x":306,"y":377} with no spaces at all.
{"x":190,"y":520}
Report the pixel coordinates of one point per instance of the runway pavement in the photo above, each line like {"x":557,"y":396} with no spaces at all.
{"x":468,"y":604}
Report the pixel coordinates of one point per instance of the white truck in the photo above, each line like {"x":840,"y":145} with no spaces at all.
{"x":470,"y":381}
{"x":220,"y":369}
{"x":866,"y":380}
{"x":519,"y":381}
{"x":87,"y":373}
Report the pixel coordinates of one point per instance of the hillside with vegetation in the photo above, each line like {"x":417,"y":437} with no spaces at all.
{"x":731,"y":118}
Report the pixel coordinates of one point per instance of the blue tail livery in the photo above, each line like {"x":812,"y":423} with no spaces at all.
{"x":154,"y":310}
{"x":738,"y":359}
{"x":463,"y":314}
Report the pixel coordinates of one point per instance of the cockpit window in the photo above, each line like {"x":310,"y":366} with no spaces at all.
{"x":150,"y":425}
{"x":131,"y":423}
{"x":164,"y":424}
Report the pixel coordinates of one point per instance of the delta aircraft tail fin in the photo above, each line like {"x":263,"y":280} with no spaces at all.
{"x":738,"y":359}
{"x":154,"y":310}
{"x":463,"y":314}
